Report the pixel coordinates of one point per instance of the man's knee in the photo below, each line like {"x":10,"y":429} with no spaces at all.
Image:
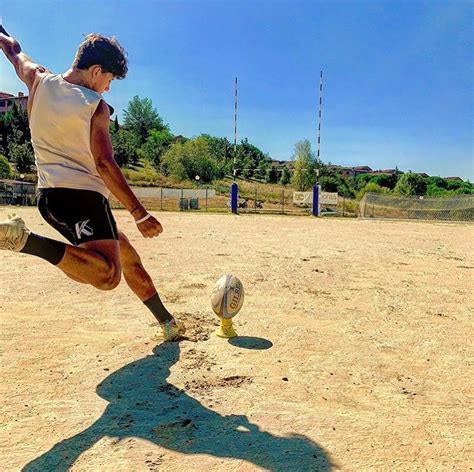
{"x":110,"y":280}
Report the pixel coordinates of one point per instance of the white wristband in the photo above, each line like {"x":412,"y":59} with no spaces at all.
{"x":141,"y":220}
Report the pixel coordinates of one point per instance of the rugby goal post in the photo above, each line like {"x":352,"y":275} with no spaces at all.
{"x":315,"y":199}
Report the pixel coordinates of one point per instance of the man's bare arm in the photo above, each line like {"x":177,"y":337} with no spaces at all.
{"x":26,"y":69}
{"x":101,"y":147}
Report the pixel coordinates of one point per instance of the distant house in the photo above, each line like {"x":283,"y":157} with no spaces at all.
{"x":454,"y":179}
{"x":178,"y":139}
{"x":422,"y":174}
{"x":350,"y":171}
{"x":279,"y":165}
{"x":385,"y":171}
{"x":361,"y":170}
{"x":344,"y":171}
{"x":7,"y":100}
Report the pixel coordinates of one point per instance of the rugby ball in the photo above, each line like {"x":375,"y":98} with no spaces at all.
{"x":227,"y":297}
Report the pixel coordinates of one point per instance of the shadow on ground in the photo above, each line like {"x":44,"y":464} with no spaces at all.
{"x":142,"y":404}
{"x":251,"y":342}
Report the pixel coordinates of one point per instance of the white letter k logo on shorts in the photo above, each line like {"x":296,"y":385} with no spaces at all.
{"x":82,"y":228}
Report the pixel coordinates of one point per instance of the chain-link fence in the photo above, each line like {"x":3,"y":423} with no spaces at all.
{"x":254,"y":200}
{"x":17,"y":192}
{"x":458,"y":208}
{"x":178,"y":199}
{"x":251,"y":200}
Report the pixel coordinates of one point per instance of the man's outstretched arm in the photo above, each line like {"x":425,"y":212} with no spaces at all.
{"x":26,"y":69}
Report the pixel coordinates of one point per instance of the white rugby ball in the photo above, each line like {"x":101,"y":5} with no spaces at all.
{"x":228,"y":296}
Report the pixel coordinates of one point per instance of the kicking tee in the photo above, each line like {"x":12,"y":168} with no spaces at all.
{"x":60,"y":125}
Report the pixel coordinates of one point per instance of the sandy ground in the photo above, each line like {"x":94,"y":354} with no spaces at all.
{"x":355,"y":352}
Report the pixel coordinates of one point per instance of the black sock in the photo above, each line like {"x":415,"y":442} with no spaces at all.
{"x":159,"y":311}
{"x":48,"y":249}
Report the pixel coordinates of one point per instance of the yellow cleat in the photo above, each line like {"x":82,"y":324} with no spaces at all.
{"x":172,"y":330}
{"x":226,"y":329}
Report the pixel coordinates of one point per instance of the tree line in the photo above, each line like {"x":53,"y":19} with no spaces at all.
{"x":144,"y":137}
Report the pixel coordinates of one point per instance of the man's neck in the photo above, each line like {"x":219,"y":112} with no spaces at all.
{"x":76,"y":77}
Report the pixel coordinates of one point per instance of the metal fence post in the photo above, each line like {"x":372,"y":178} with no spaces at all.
{"x":161,"y":199}
{"x":206,"y":198}
{"x":255,"y":202}
{"x":283,"y":202}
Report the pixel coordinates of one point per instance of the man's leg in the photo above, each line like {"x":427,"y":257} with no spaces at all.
{"x":141,"y":284}
{"x":139,"y":280}
{"x":95,"y":262}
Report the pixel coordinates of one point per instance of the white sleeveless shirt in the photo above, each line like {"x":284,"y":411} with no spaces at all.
{"x":60,"y":125}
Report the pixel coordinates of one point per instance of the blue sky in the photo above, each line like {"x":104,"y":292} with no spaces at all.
{"x":398,"y":75}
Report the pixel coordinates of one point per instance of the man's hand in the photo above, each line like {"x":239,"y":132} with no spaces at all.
{"x":9,"y":45}
{"x":150,"y":228}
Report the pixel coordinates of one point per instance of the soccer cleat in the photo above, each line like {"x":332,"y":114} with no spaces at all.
{"x":172,"y":330}
{"x":13,"y":234}
{"x":226,"y":329}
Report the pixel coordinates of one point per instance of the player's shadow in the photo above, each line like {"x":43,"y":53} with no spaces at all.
{"x":142,"y":404}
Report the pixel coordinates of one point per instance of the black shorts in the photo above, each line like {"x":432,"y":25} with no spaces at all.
{"x":79,"y":215}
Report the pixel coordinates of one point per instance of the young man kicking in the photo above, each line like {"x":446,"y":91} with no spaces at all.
{"x":69,"y":123}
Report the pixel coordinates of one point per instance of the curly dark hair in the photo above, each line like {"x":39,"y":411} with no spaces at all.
{"x":97,"y":49}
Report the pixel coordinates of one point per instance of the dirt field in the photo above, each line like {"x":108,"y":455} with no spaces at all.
{"x":355,"y":352}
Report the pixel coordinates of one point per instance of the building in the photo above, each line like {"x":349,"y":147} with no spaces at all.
{"x":385,"y":171}
{"x":351,"y":171}
{"x":279,"y":165}
{"x":7,"y":100}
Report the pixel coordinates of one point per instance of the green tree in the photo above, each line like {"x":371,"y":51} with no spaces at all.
{"x":116,"y":124}
{"x":186,"y":160}
{"x":140,"y":117}
{"x":220,"y":149}
{"x":251,"y":161}
{"x":285,"y":178}
{"x":5,"y":168}
{"x":361,"y":180}
{"x":125,"y":144}
{"x":329,"y":183}
{"x":385,"y":180}
{"x":304,"y":175}
{"x":3,"y":135}
{"x":14,"y":129}
{"x":155,"y":146}
{"x":410,"y":184}
{"x":271,"y":176}
{"x":23,"y":157}
{"x":465,"y":188}
{"x":371,"y":187}
{"x":437,"y":181}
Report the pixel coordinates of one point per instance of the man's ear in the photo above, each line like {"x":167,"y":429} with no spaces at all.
{"x":95,"y":70}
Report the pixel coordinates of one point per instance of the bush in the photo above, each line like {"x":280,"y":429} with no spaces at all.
{"x":186,"y":161}
{"x":373,"y":188}
{"x":410,"y":184}
{"x":5,"y":168}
